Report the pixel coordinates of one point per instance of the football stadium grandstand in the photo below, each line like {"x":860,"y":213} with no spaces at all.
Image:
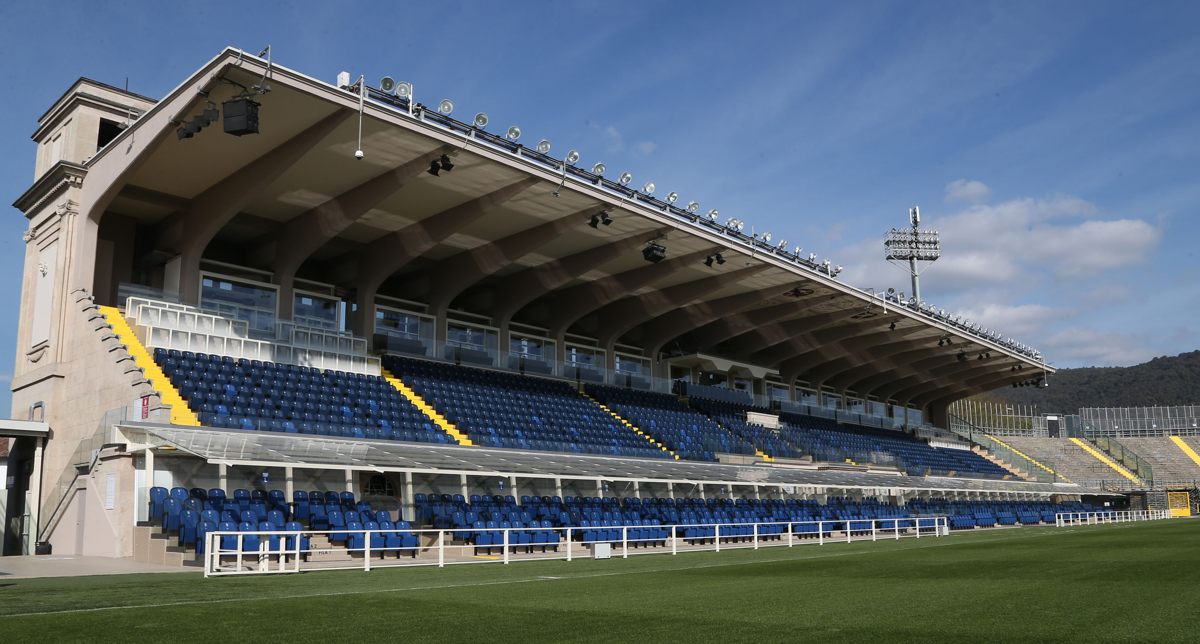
{"x":324,"y":318}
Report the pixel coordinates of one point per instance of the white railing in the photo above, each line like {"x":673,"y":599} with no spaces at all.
{"x":1065,"y":519}
{"x":176,"y":326}
{"x":272,"y":552}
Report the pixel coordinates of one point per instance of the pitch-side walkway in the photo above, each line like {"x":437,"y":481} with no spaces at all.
{"x":73,"y":566}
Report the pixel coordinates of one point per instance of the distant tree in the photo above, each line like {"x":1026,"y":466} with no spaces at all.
{"x":1164,"y":381}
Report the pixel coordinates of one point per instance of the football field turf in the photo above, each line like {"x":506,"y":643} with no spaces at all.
{"x":1127,"y":582}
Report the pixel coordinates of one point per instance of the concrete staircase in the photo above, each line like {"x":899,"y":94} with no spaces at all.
{"x":1016,"y":468}
{"x":631,"y":426}
{"x":150,"y":545}
{"x":438,"y":419}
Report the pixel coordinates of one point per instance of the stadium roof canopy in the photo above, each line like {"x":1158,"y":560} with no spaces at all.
{"x":265,"y":449}
{"x":504,"y":235}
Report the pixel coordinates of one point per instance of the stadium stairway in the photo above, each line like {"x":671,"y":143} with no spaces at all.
{"x":1030,"y":460}
{"x":1103,"y":458}
{"x":1019,"y":470}
{"x":630,"y":425}
{"x":150,"y":545}
{"x":180,"y":413}
{"x":1186,"y":449}
{"x":427,"y":409}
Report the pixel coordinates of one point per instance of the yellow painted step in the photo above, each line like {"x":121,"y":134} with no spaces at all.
{"x":763,"y":455}
{"x":630,"y":425}
{"x":1187,"y":449}
{"x":1106,"y":460}
{"x":180,"y":413}
{"x":1028,"y":458}
{"x":427,"y":409}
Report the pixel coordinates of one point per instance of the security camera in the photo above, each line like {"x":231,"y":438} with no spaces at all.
{"x":358,"y":154}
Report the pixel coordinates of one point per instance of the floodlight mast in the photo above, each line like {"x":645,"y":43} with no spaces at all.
{"x":913,"y":244}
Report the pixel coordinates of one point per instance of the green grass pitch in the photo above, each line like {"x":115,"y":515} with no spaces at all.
{"x":1119,"y":583}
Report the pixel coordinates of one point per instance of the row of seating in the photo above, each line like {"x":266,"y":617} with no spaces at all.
{"x":266,"y":396}
{"x":498,"y":409}
{"x":683,"y":430}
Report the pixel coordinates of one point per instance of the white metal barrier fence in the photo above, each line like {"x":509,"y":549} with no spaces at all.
{"x":267,"y":552}
{"x":1064,"y":519}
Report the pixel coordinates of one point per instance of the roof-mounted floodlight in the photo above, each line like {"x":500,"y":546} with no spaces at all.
{"x":599,"y":169}
{"x":693,"y":206}
{"x":543,"y":146}
{"x":446,"y":106}
{"x":387,"y":84}
{"x":404,"y":89}
{"x":648,"y":188}
{"x":513,"y":133}
{"x":572,"y":157}
{"x":481,"y":120}
{"x":713,"y":214}
{"x":625,"y":178}
{"x":672,"y":197}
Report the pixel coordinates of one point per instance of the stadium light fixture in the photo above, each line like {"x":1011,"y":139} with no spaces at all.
{"x":445,"y":107}
{"x":572,"y":157}
{"x":600,"y":218}
{"x":720,"y":259}
{"x":713,"y":214}
{"x":767,"y":238}
{"x":654,"y":252}
{"x":599,"y":169}
{"x":625,"y":178}
{"x":672,"y":197}
{"x":481,"y":120}
{"x":543,"y":146}
{"x":782,"y":245}
{"x":387,"y":84}
{"x":434,"y":167}
{"x":708,"y":261}
{"x":648,"y":188}
{"x":913,"y":245}
{"x":693,"y":206}
{"x":796,"y":251}
{"x":513,"y":133}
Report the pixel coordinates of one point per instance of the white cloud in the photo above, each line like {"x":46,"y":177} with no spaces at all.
{"x":965,"y":191}
{"x":613,"y":139}
{"x":645,"y":148}
{"x":1013,"y":320}
{"x":1084,"y":346}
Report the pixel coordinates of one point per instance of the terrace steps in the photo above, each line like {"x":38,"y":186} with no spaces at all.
{"x":438,"y":419}
{"x":1187,"y":449}
{"x":1035,"y":462}
{"x":1106,"y":460}
{"x":181,"y":414}
{"x":630,"y":425}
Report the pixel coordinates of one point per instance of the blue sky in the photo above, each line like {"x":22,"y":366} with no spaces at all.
{"x":1054,"y":145}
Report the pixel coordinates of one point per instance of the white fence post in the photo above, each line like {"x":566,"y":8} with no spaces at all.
{"x":624,"y":542}
{"x":674,"y":542}
{"x":506,"y":545}
{"x":820,"y":533}
{"x":366,"y":551}
{"x":441,"y":549}
{"x":756,"y":536}
{"x":568,"y":544}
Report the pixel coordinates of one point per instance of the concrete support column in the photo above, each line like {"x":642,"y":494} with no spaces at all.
{"x":558,"y":487}
{"x":35,"y":495}
{"x":407,"y":503}
{"x":223,"y":477}
{"x":702,"y":493}
{"x":289,"y":484}
{"x":512,"y":486}
{"x":287,"y":296}
{"x":463,"y":489}
{"x":637,"y":489}
{"x":670,"y":490}
{"x":349,"y":480}
{"x":144,"y":498}
{"x":600,"y":488}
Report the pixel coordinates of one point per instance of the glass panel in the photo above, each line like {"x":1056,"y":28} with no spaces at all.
{"x":316,"y":311}
{"x":253,"y":303}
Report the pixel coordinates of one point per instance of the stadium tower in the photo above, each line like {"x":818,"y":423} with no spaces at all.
{"x":267,"y":283}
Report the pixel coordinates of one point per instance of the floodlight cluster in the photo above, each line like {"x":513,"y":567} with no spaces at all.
{"x":400,"y":95}
{"x":962,"y":323}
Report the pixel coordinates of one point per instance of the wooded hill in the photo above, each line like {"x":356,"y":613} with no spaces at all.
{"x":1165,"y":381}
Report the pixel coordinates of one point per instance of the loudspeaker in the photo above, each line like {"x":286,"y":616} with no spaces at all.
{"x":241,"y":116}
